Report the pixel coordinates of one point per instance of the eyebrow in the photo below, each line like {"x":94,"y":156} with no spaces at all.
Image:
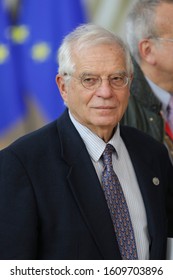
{"x":119,"y":72}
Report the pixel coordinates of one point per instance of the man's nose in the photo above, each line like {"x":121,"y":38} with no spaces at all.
{"x":105,"y":89}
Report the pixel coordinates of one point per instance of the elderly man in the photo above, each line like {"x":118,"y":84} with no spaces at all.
{"x":150,"y":37}
{"x":83,"y":187}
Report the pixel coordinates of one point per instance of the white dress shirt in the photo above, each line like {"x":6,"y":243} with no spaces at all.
{"x":161,"y":94}
{"x":124,"y":169}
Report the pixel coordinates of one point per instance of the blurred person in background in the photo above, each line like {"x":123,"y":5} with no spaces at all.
{"x":150,"y":37}
{"x":84,"y":187}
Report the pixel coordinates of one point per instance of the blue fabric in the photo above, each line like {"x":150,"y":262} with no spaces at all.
{"x":11,"y":100}
{"x":31,"y":67}
{"x":47,"y":22}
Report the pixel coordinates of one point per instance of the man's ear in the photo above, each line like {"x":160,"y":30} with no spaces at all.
{"x":62,"y":87}
{"x":147,"y":51}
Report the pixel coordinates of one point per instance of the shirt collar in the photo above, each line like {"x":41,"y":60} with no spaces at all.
{"x":94,"y":144}
{"x":160,"y":93}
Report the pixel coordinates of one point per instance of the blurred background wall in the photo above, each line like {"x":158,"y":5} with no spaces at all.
{"x":30,"y":34}
{"x":111,"y":14}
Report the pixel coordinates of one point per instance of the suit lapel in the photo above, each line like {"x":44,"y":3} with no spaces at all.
{"x":147,"y":176}
{"x":86,"y":189}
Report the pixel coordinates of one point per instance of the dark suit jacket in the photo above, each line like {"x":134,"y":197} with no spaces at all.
{"x":143,"y":111}
{"x":52,"y":205}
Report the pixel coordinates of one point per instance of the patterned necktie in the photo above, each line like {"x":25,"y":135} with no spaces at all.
{"x":118,"y":208}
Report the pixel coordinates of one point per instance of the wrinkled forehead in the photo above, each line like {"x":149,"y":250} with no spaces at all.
{"x":164,"y":18}
{"x":100,"y":56}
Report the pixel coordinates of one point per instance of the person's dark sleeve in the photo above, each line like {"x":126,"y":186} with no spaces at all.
{"x":18,"y":211}
{"x":169,"y":201}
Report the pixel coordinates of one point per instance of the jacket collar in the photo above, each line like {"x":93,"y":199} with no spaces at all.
{"x":146,"y":173}
{"x":86,"y":189}
{"x":142,"y":91}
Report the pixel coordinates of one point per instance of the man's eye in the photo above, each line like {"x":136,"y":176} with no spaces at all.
{"x":117,"y":78}
{"x":90,"y":80}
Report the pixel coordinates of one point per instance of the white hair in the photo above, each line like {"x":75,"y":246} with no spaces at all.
{"x":140,"y":23}
{"x":84,"y":36}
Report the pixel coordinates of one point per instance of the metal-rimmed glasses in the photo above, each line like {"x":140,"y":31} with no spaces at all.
{"x":163,"y":39}
{"x":93,"y":82}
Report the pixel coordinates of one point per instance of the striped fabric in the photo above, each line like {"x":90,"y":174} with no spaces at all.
{"x":124,"y":169}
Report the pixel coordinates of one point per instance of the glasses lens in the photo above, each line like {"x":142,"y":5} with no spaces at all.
{"x":91,"y":82}
{"x":118,"y":81}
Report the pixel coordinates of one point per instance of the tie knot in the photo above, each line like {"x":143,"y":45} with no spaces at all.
{"x":107,"y":154}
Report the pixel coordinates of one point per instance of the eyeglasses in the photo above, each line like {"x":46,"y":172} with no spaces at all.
{"x":164,"y":39}
{"x":93,"y":82}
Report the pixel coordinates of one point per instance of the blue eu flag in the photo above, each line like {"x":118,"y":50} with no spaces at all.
{"x":11,"y":100}
{"x":46,"y":23}
{"x":28,"y":57}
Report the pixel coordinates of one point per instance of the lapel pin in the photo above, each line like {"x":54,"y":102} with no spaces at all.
{"x":156,"y":181}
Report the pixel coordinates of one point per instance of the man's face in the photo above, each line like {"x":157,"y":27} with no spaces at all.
{"x":164,"y":48}
{"x":102,"y":108}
